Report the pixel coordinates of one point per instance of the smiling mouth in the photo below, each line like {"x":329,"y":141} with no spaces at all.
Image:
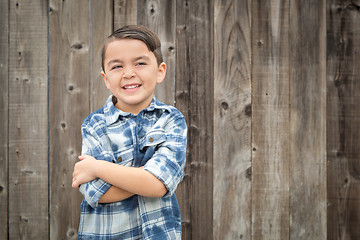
{"x":133,"y":86}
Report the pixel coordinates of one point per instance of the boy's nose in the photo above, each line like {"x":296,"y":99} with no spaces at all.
{"x":128,"y":73}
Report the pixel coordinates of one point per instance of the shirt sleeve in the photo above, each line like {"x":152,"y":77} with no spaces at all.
{"x":94,"y":190}
{"x":168,"y":161}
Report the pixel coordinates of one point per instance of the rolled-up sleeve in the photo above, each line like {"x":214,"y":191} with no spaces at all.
{"x":94,"y":190}
{"x":168,"y":161}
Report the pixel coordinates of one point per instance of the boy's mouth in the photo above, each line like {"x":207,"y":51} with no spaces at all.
{"x":131,"y":86}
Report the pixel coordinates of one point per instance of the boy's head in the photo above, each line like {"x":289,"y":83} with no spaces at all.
{"x":132,"y":67}
{"x":137,"y":32}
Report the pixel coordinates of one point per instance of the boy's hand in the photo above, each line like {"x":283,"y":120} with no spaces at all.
{"x":84,"y":170}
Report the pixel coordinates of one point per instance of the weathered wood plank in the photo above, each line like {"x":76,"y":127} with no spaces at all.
{"x":270,"y":120}
{"x":101,"y":24}
{"x":125,"y":13}
{"x":4,"y":117}
{"x":28,"y":120}
{"x":159,"y":16}
{"x":194,"y":98}
{"x":68,"y":107}
{"x":343,"y":119}
{"x":308,"y":120}
{"x":232,"y":120}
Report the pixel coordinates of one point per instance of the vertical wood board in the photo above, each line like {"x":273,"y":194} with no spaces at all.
{"x":101,"y":19}
{"x":159,"y":16}
{"x":182,"y":99}
{"x":343,"y":119}
{"x":125,"y":13}
{"x":4,"y":118}
{"x":308,"y":120}
{"x":68,"y":107}
{"x":194,"y":98}
{"x":28,"y":120}
{"x":270,"y":120}
{"x":232,"y":120}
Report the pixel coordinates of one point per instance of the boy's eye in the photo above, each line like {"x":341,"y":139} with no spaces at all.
{"x":140,"y":64}
{"x":115,"y":67}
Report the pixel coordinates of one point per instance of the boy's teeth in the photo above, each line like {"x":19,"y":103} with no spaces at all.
{"x":131,"y":87}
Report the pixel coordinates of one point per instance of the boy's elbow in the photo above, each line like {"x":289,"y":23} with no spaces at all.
{"x":155,"y":187}
{"x":163,"y":191}
{"x":159,"y":191}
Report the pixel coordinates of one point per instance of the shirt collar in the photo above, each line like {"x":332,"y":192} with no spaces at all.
{"x":112,"y":113}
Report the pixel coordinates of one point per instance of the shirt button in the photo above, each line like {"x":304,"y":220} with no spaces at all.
{"x":151,"y":139}
{"x":119,"y":159}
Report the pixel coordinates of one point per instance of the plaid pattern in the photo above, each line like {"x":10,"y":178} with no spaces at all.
{"x":155,"y":139}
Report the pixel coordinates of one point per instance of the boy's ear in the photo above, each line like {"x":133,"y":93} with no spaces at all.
{"x":161,"y":72}
{"x":105,"y":79}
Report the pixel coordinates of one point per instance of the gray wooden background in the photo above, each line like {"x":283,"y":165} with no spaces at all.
{"x":270,"y":91}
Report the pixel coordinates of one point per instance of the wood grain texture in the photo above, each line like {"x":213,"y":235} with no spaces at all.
{"x":101,"y":17}
{"x":194,"y":98}
{"x":270,"y":120}
{"x":299,"y":60}
{"x":159,"y":16}
{"x":232,"y":120}
{"x":68,"y":107}
{"x":4,"y":117}
{"x":343,"y":119}
{"x":125,"y":13}
{"x":28,"y":120}
{"x":308,"y":120}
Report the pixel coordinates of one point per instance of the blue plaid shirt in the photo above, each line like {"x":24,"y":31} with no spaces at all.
{"x":155,"y":139}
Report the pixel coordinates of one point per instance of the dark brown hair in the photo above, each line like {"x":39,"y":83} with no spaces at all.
{"x":137,"y":32}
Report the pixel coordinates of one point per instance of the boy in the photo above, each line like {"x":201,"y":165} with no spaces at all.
{"x":130,"y":195}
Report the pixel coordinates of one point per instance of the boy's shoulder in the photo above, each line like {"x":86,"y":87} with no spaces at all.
{"x":97,"y":117}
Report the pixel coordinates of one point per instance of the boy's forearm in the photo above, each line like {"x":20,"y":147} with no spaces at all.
{"x":115,"y":194}
{"x":133,"y":180}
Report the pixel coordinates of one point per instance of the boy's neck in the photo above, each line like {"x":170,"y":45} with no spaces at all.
{"x":131,"y":109}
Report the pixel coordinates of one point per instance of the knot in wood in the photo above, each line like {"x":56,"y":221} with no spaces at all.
{"x":70,"y":233}
{"x":77,"y":46}
{"x":248,"y":110}
{"x":225,"y":105}
{"x":171,"y":49}
{"x":248,"y":173}
{"x":24,"y":219}
{"x":152,"y":10}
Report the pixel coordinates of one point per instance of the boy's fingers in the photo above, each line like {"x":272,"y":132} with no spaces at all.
{"x":74,"y":183}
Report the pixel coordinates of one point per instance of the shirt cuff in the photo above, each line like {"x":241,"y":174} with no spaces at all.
{"x":165,"y":170}
{"x":93,"y":191}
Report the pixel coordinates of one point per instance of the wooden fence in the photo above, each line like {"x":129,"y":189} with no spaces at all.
{"x":270,"y":91}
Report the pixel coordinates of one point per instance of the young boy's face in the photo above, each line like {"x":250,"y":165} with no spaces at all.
{"x":131,"y":73}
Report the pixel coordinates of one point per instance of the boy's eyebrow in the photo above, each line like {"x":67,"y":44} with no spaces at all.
{"x":144,"y":57}
{"x":113,"y":61}
{"x":141,"y":57}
